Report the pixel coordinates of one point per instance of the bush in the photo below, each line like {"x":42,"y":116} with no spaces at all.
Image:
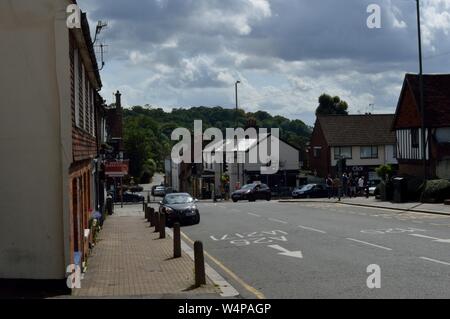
{"x":384,"y":171}
{"x":436,"y":191}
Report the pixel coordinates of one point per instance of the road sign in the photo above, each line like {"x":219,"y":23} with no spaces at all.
{"x":116,"y":169}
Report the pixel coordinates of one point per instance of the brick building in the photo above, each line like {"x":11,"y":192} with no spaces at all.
{"x":51,"y":127}
{"x":366,"y":141}
{"x":408,"y":125}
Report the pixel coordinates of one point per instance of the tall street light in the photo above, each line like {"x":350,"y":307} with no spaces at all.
{"x":236,"y":126}
{"x":421,"y":92}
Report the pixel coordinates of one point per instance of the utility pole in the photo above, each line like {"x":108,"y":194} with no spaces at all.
{"x":421,"y":90}
{"x":236,"y":126}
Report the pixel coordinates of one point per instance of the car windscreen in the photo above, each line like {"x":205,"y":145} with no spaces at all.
{"x":307,"y":187}
{"x":248,"y":186}
{"x":179,"y":199}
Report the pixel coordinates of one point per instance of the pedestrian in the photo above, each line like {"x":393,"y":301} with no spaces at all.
{"x":329,"y":182}
{"x":361,"y":183}
{"x":344,"y":185}
{"x":336,"y":186}
{"x":352,"y":181}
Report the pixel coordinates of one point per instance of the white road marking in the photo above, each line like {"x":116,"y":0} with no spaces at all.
{"x":278,"y":221}
{"x":436,"y":261}
{"x":254,"y":215}
{"x":364,"y":242}
{"x":313,"y":229}
{"x":285,"y":252}
{"x":438,"y":240}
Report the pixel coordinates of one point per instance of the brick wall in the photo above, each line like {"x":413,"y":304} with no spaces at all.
{"x":408,"y":115}
{"x":320,"y":164}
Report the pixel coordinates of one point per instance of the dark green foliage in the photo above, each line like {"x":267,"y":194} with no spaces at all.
{"x":147,"y":131}
{"x":329,"y":105}
{"x":384,"y":171}
{"x":436,"y":191}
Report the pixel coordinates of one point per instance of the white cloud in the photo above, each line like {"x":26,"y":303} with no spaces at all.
{"x":285,"y":52}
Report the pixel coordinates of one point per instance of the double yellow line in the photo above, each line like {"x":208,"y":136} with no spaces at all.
{"x":249,"y":288}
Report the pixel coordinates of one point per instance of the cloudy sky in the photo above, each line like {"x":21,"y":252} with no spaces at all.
{"x":182,"y":53}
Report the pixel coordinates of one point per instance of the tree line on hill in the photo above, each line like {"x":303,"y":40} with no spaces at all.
{"x":147,"y":130}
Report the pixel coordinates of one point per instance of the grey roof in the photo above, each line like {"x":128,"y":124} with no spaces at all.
{"x":357,"y":130}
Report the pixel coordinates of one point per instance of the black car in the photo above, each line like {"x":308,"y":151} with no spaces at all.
{"x":128,"y":197}
{"x":252,"y":192}
{"x":180,"y":207}
{"x":311,"y":191}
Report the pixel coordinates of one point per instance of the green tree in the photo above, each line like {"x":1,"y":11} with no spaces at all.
{"x":329,"y":105}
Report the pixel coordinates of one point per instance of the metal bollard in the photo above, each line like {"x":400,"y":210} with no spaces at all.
{"x":176,"y":241}
{"x":199,"y":260}
{"x":157,"y":215}
{"x":143,"y":205}
{"x":148,"y":213}
{"x":162,"y":226}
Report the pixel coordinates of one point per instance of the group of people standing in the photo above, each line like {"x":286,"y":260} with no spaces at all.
{"x":346,"y":186}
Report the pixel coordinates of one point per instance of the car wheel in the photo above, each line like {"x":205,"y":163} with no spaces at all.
{"x":268,"y":198}
{"x":235,"y":200}
{"x":197,"y":219}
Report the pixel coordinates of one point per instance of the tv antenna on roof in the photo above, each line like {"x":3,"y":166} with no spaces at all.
{"x":100,"y":26}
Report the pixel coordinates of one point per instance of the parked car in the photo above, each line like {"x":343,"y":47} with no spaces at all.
{"x":160,"y":191}
{"x":311,"y":191}
{"x":252,"y":192}
{"x":128,"y":197}
{"x":373,"y":186}
{"x":180,"y":207}
{"x":136,"y":189}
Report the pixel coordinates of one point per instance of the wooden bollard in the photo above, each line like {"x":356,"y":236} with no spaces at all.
{"x":162,"y":226}
{"x":176,"y":241}
{"x":157,"y":215}
{"x":199,"y":260}
{"x":148,"y":213}
{"x":151,"y":214}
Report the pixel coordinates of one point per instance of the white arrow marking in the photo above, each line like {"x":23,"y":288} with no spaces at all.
{"x":438,"y":240}
{"x":285,"y":252}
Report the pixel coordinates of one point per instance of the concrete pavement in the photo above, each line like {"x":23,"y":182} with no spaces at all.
{"x":131,"y":261}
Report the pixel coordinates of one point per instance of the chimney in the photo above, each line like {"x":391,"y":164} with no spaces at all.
{"x":118,"y":100}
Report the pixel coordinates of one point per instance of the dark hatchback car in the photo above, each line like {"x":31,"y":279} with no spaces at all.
{"x":180,"y":207}
{"x":252,"y":192}
{"x":311,"y":191}
{"x":128,"y":197}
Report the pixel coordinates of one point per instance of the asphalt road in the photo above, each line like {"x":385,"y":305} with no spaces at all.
{"x":315,"y":250}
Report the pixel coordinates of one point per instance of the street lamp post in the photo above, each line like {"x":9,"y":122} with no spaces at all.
{"x":421,"y":92}
{"x":236,"y":126}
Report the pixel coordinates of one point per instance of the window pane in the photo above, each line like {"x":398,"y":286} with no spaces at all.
{"x":375,"y":152}
{"x":346,"y":152}
{"x":366,"y":152}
